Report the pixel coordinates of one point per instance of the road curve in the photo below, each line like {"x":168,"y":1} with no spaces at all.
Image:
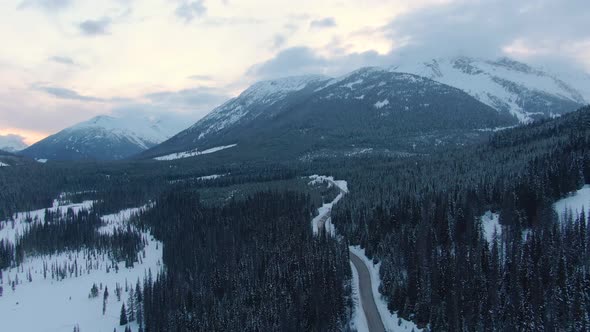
{"x":366,"y":294}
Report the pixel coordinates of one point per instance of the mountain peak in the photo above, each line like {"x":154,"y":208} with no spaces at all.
{"x":105,"y":137}
{"x":283,"y":85}
{"x":506,"y":85}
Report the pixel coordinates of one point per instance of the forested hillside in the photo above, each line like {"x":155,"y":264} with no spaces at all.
{"x":422,"y":219}
{"x":252,"y":265}
{"x":239,"y":252}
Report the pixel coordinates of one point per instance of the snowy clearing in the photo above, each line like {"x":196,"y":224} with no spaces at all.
{"x":193,"y":153}
{"x":359,"y":321}
{"x":60,"y":304}
{"x":115,"y":220}
{"x":392,"y":322}
{"x":42,"y":161}
{"x":490,"y":223}
{"x":317,"y":179}
{"x":9,"y":229}
{"x":575,"y":203}
{"x":3,"y":164}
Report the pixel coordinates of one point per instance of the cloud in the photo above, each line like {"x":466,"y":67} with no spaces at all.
{"x":64,"y":60}
{"x":49,"y":5}
{"x":12,"y":142}
{"x":95,"y":27}
{"x":63,"y":93}
{"x":537,"y":32}
{"x":303,"y":60}
{"x":487,"y":28}
{"x":195,"y":99}
{"x":200,"y":77}
{"x":278,"y":41}
{"x":188,"y":10}
{"x":327,"y":22}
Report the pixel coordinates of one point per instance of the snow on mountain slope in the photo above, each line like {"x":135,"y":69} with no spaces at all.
{"x":142,"y":131}
{"x":262,"y":94}
{"x":375,"y":107}
{"x":105,"y":138}
{"x":504,"y":84}
{"x":12,"y":143}
{"x":193,"y":153}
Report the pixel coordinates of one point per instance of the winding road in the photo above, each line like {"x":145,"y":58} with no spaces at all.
{"x":374,"y":321}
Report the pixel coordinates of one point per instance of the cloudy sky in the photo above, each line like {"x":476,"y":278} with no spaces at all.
{"x":65,"y":61}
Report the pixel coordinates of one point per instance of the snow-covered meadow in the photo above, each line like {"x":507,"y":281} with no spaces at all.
{"x":574,"y":203}
{"x":43,"y":301}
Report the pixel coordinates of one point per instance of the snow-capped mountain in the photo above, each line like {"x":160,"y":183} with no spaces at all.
{"x":104,"y":138}
{"x":12,"y":143}
{"x":253,"y":101}
{"x":506,"y":85}
{"x":371,"y":108}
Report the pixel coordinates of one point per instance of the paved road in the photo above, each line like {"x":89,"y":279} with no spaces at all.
{"x":366,"y":294}
{"x":366,"y":291}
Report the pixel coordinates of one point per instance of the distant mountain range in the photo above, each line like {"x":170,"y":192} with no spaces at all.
{"x":368,"y":110}
{"x":104,"y":138}
{"x":412,"y":107}
{"x":506,"y":85}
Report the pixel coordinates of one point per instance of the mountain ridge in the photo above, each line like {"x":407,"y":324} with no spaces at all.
{"x":103,"y":137}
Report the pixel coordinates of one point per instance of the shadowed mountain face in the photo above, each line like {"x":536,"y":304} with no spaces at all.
{"x":369,"y":110}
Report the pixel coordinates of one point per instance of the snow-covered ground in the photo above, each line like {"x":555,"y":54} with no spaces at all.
{"x":575,"y":203}
{"x":112,"y":221}
{"x":9,"y":229}
{"x":490,"y":224}
{"x":359,"y":321}
{"x":325,"y":210}
{"x":193,"y":153}
{"x":392,"y":322}
{"x":3,"y":164}
{"x":317,"y":179}
{"x":46,"y":304}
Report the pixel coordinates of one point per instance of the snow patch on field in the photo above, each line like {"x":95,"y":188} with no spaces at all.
{"x":359,"y":321}
{"x":193,"y":153}
{"x":10,"y":229}
{"x":574,"y":204}
{"x":49,"y":304}
{"x":390,"y":320}
{"x":490,"y":223}
{"x":3,"y":164}
{"x":42,"y":161}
